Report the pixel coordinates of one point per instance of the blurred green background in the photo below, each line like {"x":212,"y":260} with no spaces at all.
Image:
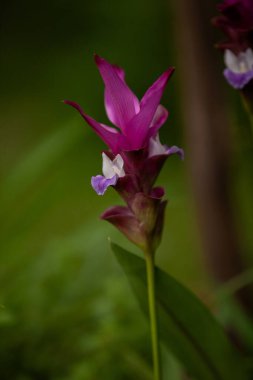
{"x":66,"y":311}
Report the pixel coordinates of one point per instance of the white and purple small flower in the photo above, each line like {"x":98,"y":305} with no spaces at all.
{"x":239,"y":71}
{"x":112,"y":171}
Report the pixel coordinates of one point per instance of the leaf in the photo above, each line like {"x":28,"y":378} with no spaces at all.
{"x":186,"y":326}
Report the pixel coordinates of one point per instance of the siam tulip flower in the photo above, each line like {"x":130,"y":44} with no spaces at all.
{"x":135,"y":154}
{"x":131,"y":165}
{"x":236,"y":22}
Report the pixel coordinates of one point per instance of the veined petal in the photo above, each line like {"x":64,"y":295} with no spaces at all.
{"x":138,"y":127}
{"x":109,"y":135}
{"x":120,"y":102}
{"x":100,"y":183}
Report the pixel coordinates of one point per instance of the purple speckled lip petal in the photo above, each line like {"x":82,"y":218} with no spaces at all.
{"x":109,"y":135}
{"x":100,"y":183}
{"x":238,"y":80}
{"x":138,"y":127}
{"x":120,"y":102}
{"x":175,"y":150}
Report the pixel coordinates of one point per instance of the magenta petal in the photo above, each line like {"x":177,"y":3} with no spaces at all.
{"x":120,"y":72}
{"x":122,"y":218}
{"x":100,"y":183}
{"x":109,"y":135}
{"x":159,"y":119}
{"x":157,"y":86}
{"x":120,"y":102}
{"x":138,"y":127}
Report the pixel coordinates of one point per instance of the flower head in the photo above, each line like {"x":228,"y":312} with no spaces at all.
{"x":135,"y":154}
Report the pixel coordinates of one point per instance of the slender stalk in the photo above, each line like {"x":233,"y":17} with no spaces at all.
{"x":153,"y":315}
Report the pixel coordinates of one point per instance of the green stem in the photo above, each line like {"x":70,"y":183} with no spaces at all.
{"x":153,"y":314}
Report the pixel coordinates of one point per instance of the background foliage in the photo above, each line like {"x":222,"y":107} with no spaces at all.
{"x":66,"y":311}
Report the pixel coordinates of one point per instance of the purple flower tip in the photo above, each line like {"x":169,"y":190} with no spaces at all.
{"x":176,"y":150}
{"x":100,"y":183}
{"x":98,"y":59}
{"x":238,"y":80}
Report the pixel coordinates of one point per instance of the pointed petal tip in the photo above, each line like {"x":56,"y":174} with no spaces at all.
{"x":71,"y":103}
{"x":99,"y":60}
{"x":76,"y":106}
{"x":170,"y":71}
{"x":96,"y":57}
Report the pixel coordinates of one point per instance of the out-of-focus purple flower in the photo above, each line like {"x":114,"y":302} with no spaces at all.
{"x":239,"y":71}
{"x":135,"y":156}
{"x":236,"y":22}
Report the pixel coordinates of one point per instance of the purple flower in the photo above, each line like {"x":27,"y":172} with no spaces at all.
{"x":239,"y":71}
{"x":135,"y":154}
